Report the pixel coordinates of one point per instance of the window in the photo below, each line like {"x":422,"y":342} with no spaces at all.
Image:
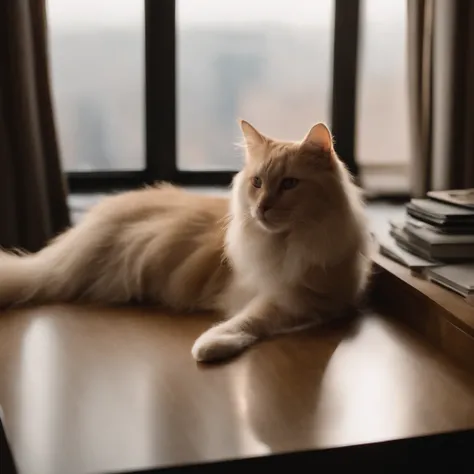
{"x":97,"y":66}
{"x":152,"y":90}
{"x":268,"y":62}
{"x":383,"y":142}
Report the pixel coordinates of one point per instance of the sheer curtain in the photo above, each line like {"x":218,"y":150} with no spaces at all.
{"x":441,"y":76}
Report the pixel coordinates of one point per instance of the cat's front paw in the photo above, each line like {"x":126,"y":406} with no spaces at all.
{"x":215,"y":346}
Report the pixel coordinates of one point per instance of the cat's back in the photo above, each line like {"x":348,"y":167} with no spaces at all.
{"x":161,"y":200}
{"x":166,"y":243}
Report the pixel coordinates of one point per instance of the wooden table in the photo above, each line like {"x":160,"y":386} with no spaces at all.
{"x":102,"y":390}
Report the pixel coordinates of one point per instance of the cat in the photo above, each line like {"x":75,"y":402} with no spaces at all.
{"x":289,"y":248}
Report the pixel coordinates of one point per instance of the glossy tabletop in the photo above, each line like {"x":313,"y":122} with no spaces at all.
{"x":98,"y":390}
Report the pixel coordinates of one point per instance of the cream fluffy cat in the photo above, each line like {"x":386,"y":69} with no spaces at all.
{"x":289,"y":248}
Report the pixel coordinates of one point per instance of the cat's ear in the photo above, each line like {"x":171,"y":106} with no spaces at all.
{"x":320,"y":135}
{"x":251,"y":135}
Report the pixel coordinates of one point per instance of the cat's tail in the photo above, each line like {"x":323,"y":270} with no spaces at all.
{"x":21,"y":278}
{"x":61,"y":272}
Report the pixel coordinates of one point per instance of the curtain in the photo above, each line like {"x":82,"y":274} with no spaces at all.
{"x":33,"y":205}
{"x":441,"y":85}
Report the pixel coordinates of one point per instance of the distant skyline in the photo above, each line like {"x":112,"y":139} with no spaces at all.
{"x":92,"y":14}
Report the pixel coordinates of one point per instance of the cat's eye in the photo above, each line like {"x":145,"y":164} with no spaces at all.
{"x":256,"y":182}
{"x":289,"y":183}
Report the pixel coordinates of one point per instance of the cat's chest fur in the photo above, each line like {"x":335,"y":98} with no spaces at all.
{"x":264,"y":263}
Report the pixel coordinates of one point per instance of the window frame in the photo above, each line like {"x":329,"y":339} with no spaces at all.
{"x":160,"y":105}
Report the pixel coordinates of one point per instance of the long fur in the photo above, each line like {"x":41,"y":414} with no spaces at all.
{"x":164,"y":245}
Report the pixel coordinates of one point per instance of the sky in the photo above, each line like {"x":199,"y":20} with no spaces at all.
{"x":86,"y":14}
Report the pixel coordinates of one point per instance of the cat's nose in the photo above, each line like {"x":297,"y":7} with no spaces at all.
{"x":262,"y":209}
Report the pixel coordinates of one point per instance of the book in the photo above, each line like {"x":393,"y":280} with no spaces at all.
{"x":457,"y":197}
{"x":440,"y":214}
{"x":434,"y":232}
{"x":431,"y":245}
{"x":458,"y":278}
{"x":442,"y":246}
{"x":389,"y":248}
{"x":403,"y":241}
{"x":451,"y":230}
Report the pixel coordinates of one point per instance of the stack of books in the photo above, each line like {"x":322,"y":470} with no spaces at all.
{"x":436,"y":239}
